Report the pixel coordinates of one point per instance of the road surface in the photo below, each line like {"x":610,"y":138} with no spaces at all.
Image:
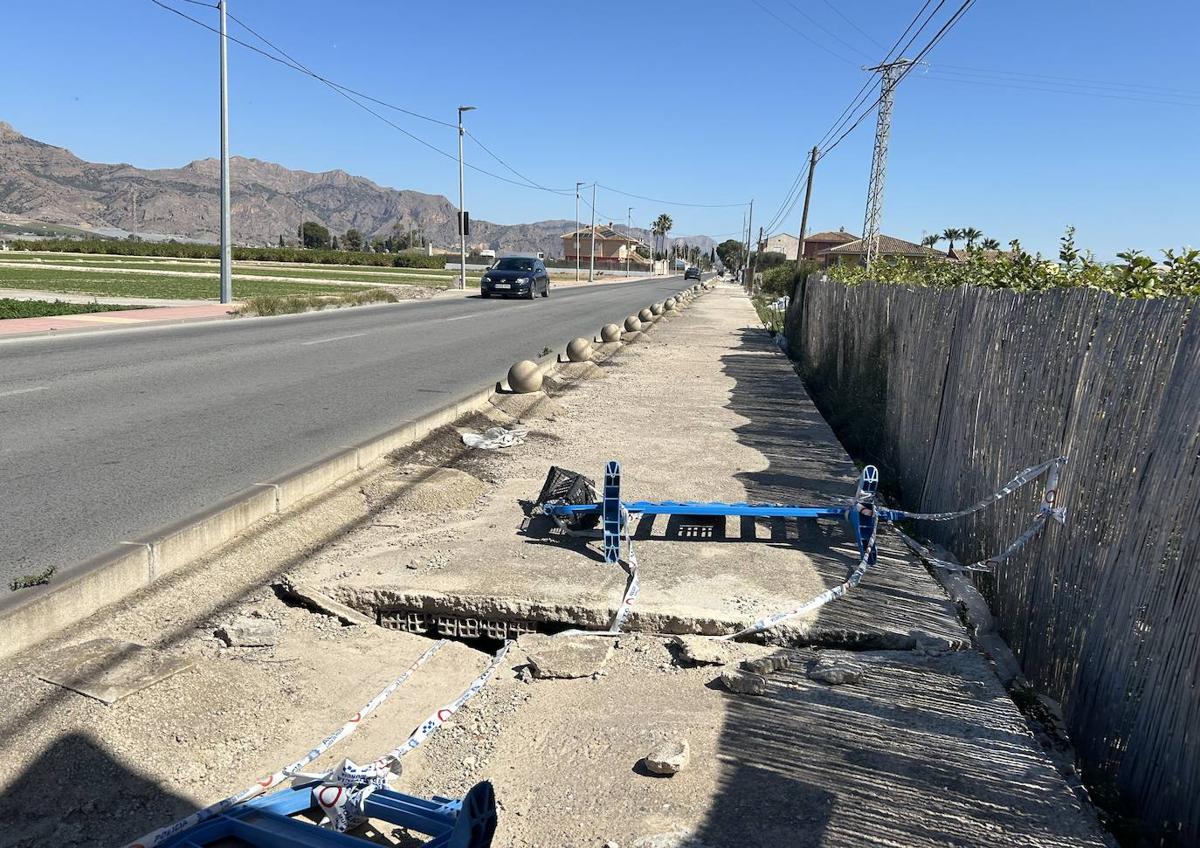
{"x":108,"y":436}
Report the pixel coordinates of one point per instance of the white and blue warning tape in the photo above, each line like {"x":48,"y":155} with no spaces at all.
{"x":270,"y":781}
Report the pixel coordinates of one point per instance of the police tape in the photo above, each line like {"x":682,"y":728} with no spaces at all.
{"x":1046,"y":510}
{"x":269,"y":782}
{"x":632,"y":586}
{"x":1023,"y":477}
{"x":987,"y":565}
{"x":770,"y":621}
{"x":341,"y":793}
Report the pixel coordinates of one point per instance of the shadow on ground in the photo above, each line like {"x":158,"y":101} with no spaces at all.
{"x":33,"y":814}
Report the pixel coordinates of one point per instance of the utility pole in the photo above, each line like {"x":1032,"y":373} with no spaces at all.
{"x":812,"y":166}
{"x":754,"y":265}
{"x":577,"y":185}
{"x":628,"y":234}
{"x":592,"y":261}
{"x":891,"y":73}
{"x":226,"y":252}
{"x":749,"y":234}
{"x":462,"y":210}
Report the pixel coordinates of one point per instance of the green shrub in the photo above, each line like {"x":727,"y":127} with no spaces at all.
{"x":1136,"y":275}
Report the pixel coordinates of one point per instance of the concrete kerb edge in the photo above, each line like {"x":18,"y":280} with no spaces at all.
{"x":33,"y":615}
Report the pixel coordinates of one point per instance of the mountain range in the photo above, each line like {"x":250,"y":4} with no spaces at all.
{"x":42,"y":183}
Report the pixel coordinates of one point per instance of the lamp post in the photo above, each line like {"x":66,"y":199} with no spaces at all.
{"x":628,"y":231}
{"x":577,"y":186}
{"x":462,"y":212}
{"x":225,"y":250}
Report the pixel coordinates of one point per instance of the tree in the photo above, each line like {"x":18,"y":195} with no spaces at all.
{"x":281,"y":241}
{"x":731,"y":253}
{"x":990,"y":244}
{"x":662,"y":226}
{"x":971,"y":235}
{"x":930,"y":240}
{"x":313,"y":235}
{"x":335,"y":243}
{"x":353,"y":239}
{"x":952,"y":234}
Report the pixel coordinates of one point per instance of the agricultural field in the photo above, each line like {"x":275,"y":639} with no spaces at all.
{"x":102,"y":283}
{"x":132,"y":276}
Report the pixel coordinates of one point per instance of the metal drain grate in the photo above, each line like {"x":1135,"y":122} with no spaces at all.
{"x":453,"y":626}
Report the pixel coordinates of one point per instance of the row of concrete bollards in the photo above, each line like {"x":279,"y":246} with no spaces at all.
{"x":526,"y":376}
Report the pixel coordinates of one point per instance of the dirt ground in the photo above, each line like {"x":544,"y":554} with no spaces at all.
{"x":925,"y":748}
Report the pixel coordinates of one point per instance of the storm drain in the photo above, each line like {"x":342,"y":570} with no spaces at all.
{"x":453,"y":626}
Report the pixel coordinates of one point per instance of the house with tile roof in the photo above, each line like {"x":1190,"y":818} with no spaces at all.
{"x":612,"y":247}
{"x":889,"y":247}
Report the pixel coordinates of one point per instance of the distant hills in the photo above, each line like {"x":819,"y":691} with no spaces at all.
{"x":50,"y":185}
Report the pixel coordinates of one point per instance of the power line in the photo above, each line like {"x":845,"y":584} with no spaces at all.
{"x":805,"y":35}
{"x":792,"y":197}
{"x":1077,"y":80}
{"x":933,"y":42}
{"x":670,"y":202}
{"x":1065,"y":88}
{"x":826,"y":30}
{"x":855,"y":26}
{"x":351,"y":94}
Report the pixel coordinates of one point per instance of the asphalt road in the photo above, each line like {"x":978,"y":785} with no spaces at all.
{"x":107,"y":436}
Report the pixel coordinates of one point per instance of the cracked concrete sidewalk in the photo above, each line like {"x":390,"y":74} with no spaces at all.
{"x":927,"y":750}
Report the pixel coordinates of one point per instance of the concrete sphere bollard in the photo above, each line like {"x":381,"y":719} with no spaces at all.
{"x":646,"y":315}
{"x":671,"y":303}
{"x":610,"y":333}
{"x":658,"y":309}
{"x":524,"y":377}
{"x":696,"y":288}
{"x":632,"y":324}
{"x":579,"y":350}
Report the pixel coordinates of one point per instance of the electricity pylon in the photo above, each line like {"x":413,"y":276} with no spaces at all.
{"x":891,"y":73}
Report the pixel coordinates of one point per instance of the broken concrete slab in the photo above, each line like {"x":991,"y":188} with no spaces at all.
{"x":109,"y":669}
{"x":765,"y":665}
{"x":742,"y":682}
{"x":740,"y":428}
{"x":565,"y":656}
{"x":836,"y":668}
{"x":701,"y":650}
{"x":319,"y":601}
{"x":248,"y":632}
{"x":669,"y":758}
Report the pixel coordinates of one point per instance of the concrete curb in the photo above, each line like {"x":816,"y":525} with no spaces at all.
{"x":32,"y":615}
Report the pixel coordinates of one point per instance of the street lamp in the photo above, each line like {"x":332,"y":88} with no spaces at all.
{"x":577,"y":185}
{"x":462,"y":211}
{"x":628,"y":234}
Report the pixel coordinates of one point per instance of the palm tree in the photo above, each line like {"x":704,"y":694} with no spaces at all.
{"x":930,"y":240}
{"x":952,"y":234}
{"x":662,"y":226}
{"x":971,"y":235}
{"x":990,"y":244}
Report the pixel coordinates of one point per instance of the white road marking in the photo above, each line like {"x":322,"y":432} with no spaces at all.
{"x":23,"y":391}
{"x":334,"y":339}
{"x":464,"y":317}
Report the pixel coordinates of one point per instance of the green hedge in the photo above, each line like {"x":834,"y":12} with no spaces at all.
{"x":180,"y":250}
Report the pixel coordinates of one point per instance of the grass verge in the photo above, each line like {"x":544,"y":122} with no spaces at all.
{"x":97,"y":282}
{"x":287,"y":304}
{"x":10,"y":308}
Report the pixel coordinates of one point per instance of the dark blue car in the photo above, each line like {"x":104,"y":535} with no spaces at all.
{"x":520,"y":276}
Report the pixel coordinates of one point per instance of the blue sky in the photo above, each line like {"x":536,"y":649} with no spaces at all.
{"x":711,"y":101}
